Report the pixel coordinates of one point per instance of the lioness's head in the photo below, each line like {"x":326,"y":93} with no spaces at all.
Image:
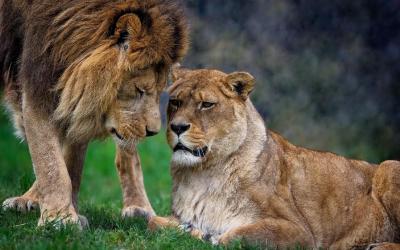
{"x":207,"y":114}
{"x":113,"y":86}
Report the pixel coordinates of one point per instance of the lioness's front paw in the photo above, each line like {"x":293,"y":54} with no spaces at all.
{"x":157,"y":222}
{"x":60,"y":220}
{"x":196,"y":233}
{"x":135,"y":211}
{"x":21,"y":204}
{"x":225,"y":238}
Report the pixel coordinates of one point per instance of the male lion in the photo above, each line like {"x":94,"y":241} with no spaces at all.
{"x":233,"y":178}
{"x":78,"y":70}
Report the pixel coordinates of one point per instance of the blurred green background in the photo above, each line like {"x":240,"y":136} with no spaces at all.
{"x":327,"y":78}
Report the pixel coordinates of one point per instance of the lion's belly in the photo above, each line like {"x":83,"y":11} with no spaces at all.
{"x":212,"y":207}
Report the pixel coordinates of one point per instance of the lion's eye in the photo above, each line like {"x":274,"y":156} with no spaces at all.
{"x":175,"y":103}
{"x":141,"y":92}
{"x":206,"y":105}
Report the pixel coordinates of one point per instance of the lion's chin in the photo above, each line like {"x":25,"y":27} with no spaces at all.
{"x":183,"y":158}
{"x":125,"y":143}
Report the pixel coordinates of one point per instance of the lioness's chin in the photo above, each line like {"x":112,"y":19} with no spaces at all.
{"x":183,"y":158}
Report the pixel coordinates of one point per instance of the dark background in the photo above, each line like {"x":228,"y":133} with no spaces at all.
{"x":327,"y":71}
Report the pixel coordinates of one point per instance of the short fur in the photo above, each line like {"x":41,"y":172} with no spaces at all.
{"x":251,"y":183}
{"x":78,"y":70}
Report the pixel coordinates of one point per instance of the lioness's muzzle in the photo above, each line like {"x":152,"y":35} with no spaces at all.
{"x":199,"y":152}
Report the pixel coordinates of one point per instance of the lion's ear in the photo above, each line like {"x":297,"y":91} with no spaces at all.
{"x":242,"y":83}
{"x":127,"y":27}
{"x":177,"y":72}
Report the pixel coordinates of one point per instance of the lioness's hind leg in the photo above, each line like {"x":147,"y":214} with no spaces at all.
{"x":25,"y":203}
{"x":384,"y":246}
{"x":269,"y":232}
{"x":387,"y":188}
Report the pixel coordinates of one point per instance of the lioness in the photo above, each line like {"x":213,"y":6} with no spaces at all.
{"x":233,"y":178}
{"x":78,"y":70}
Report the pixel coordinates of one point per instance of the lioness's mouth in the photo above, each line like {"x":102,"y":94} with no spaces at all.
{"x":114,"y":132}
{"x":199,"y":152}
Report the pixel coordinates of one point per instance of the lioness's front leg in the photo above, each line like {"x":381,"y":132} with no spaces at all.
{"x":157,"y":222}
{"x":135,"y":198}
{"x":52,"y":178}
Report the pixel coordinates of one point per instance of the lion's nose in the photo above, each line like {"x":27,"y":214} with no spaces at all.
{"x":150,"y":133}
{"x":180,"y":128}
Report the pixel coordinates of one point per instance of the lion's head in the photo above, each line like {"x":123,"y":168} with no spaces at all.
{"x":113,"y":83}
{"x":207,"y":116}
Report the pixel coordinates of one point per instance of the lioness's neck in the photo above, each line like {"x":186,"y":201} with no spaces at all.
{"x":196,"y":190}
{"x":252,"y":146}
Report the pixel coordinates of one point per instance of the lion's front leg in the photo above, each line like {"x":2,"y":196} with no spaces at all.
{"x":74,"y":155}
{"x":136,"y":203}
{"x":52,"y":178}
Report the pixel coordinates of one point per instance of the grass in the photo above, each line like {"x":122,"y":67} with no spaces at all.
{"x":100,"y":201}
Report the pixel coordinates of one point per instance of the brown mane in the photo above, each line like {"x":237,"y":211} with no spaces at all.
{"x":78,"y":73}
{"x":73,"y":71}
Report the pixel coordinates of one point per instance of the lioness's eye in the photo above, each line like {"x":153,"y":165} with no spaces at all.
{"x":141,"y":92}
{"x":207,"y":105}
{"x":175,"y":103}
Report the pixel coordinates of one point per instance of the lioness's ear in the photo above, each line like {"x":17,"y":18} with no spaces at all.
{"x":242,"y":83}
{"x":127,"y":27}
{"x":177,"y":72}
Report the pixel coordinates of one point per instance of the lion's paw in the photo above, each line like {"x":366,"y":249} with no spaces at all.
{"x":83,"y":221}
{"x":21,"y":204}
{"x":135,"y":212}
{"x":60,"y":221}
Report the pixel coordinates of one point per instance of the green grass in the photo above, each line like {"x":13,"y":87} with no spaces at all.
{"x":100,"y":201}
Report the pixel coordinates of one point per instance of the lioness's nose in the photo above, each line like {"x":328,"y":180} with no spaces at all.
{"x":180,"y":128}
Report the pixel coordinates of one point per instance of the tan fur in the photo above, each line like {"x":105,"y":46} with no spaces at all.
{"x":135,"y":198}
{"x":74,"y":71}
{"x":254,"y":185}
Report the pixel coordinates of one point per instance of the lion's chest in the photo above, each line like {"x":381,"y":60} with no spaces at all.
{"x":212,"y":204}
